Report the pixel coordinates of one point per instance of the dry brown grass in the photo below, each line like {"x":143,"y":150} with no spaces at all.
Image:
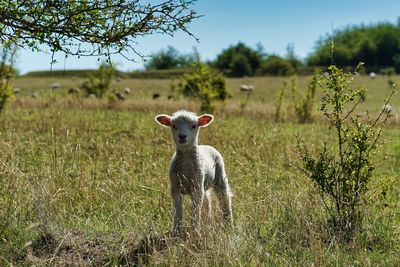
{"x":94,"y":174}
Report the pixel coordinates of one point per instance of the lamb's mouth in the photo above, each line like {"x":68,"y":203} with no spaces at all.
{"x":182,"y":141}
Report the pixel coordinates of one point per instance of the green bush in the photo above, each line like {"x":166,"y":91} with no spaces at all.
{"x":6,"y":94}
{"x":6,"y":72}
{"x":204,"y":84}
{"x":342,"y":173}
{"x":99,"y":82}
{"x":388,"y":71}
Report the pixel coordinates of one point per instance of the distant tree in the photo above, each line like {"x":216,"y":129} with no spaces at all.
{"x":376,"y":45}
{"x":291,"y":57}
{"x":91,"y":27}
{"x":239,"y":60}
{"x":276,"y":66}
{"x":396,"y":62}
{"x":171,"y":58}
{"x":240,"y":66}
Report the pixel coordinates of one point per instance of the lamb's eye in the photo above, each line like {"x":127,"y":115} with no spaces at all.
{"x":194,"y":127}
{"x":173,"y":126}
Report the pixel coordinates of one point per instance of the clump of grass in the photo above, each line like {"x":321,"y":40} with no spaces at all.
{"x":304,"y":103}
{"x":279,"y":101}
{"x":78,"y":178}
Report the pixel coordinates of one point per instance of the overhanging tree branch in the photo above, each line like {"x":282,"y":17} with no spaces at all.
{"x":91,"y":27}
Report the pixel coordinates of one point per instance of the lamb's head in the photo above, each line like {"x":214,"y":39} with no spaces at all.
{"x":184,"y":126}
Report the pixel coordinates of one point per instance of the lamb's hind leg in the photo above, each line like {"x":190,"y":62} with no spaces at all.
{"x":224,"y":199}
{"x":208,"y":203}
{"x":223,"y":192}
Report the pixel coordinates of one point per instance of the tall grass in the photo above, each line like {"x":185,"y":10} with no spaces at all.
{"x":89,"y":186}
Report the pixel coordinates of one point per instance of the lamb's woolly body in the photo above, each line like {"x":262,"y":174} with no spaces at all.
{"x":195,"y":169}
{"x":190,"y":167}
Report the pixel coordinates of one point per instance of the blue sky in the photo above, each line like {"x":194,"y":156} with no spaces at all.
{"x":274,"y":24}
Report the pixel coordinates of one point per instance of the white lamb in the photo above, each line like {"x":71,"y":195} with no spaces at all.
{"x":195,"y":169}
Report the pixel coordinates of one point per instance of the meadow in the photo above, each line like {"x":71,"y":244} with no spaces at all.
{"x":84,"y":181}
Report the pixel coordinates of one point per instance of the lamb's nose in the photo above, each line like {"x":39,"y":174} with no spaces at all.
{"x":182,"y":136}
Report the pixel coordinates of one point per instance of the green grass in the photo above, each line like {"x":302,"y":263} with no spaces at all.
{"x":83,"y":182}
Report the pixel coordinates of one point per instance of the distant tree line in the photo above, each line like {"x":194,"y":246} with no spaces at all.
{"x":170,"y":58}
{"x":378,"y":46}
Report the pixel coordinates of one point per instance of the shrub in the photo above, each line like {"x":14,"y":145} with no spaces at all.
{"x":304,"y":104}
{"x":6,"y":72}
{"x":6,"y":94}
{"x":99,"y":82}
{"x":388,"y":71}
{"x":341,"y":173}
{"x":204,"y":84}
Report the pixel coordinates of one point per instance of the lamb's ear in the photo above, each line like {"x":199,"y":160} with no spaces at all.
{"x":205,"y":120}
{"x":163,"y":120}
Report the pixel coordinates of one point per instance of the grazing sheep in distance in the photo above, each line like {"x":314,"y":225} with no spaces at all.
{"x":195,"y":169}
{"x":387,"y":108}
{"x":121,"y":96}
{"x":372,"y":75}
{"x":34,"y":95}
{"x":246,"y":88}
{"x":156,"y":95}
{"x":17,"y":90}
{"x":74,"y":91}
{"x":127,"y":90}
{"x":55,"y":86}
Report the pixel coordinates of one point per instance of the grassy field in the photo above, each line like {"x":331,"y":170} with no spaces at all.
{"x":84,"y":181}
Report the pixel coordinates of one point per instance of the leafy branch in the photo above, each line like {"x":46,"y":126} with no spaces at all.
{"x":91,"y":27}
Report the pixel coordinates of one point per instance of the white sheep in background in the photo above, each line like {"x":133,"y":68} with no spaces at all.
{"x":387,"y":108}
{"x":195,"y":169}
{"x":246,"y":88}
{"x":55,"y":86}
{"x":372,"y":75}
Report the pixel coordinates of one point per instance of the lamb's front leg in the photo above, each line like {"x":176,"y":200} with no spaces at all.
{"x":178,"y":213}
{"x":197,"y":203}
